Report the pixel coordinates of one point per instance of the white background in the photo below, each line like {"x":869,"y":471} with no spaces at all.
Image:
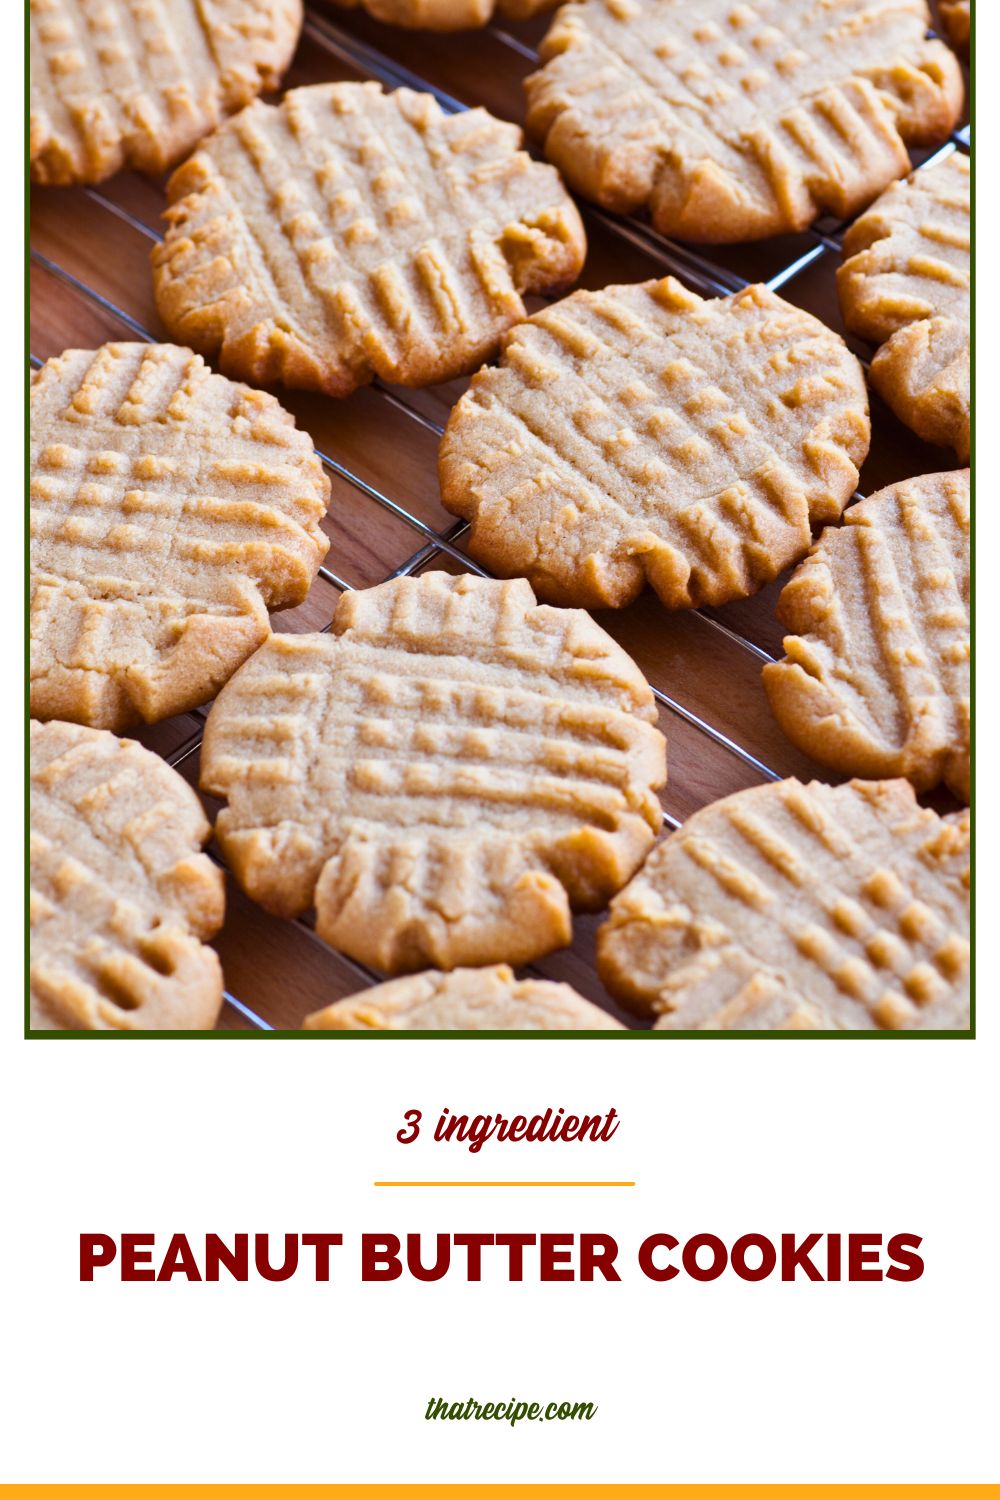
{"x":305,"y":1382}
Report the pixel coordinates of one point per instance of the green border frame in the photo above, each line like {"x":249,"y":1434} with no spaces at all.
{"x":643,"y":1034}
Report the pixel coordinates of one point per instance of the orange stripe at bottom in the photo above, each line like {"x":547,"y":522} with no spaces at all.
{"x":499,"y":1491}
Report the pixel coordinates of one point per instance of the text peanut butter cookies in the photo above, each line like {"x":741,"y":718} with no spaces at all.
{"x":905,"y":285}
{"x":119,"y":84}
{"x":170,"y":509}
{"x":348,"y":233}
{"x":465,"y":1000}
{"x":734,"y":121}
{"x":122,"y":898}
{"x":443,"y":775}
{"x":875,"y":680}
{"x":642,"y":434}
{"x":791,"y":907}
{"x":447,"y":15}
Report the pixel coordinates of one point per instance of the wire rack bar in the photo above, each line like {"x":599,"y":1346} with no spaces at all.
{"x":190,"y":746}
{"x":92,"y":295}
{"x":256,"y":1021}
{"x":328,"y":576}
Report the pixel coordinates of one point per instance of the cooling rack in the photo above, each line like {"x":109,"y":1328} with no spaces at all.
{"x":91,"y":282}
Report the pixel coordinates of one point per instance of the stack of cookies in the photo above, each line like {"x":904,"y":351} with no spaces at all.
{"x":460,"y":762}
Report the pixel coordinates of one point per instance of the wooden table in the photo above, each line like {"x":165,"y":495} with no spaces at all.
{"x":91,"y":282}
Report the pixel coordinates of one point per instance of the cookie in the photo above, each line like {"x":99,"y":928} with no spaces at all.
{"x":170,"y":509}
{"x":875,"y":679}
{"x":122,"y":899}
{"x":640,"y":434}
{"x":347,"y":233}
{"x":464,"y":1000}
{"x":443,"y":775}
{"x":446,"y":15}
{"x":956,"y":17}
{"x":905,"y":285}
{"x":118,"y":84}
{"x":791,"y":907}
{"x":730,"y":121}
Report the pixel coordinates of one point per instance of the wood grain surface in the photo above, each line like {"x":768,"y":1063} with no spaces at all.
{"x":90,"y":282}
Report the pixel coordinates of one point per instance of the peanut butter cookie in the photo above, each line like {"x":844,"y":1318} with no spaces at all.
{"x":905,"y":285}
{"x":791,"y":907}
{"x":443,"y":775}
{"x":447,"y":15}
{"x":347,"y":233}
{"x":731,"y":121}
{"x":116,"y":83}
{"x":640,"y":434}
{"x":170,"y":509}
{"x":875,"y":680}
{"x":464,"y":1000}
{"x":122,"y":898}
{"x":956,"y":16}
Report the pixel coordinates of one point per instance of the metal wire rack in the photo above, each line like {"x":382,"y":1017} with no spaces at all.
{"x":700,"y":271}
